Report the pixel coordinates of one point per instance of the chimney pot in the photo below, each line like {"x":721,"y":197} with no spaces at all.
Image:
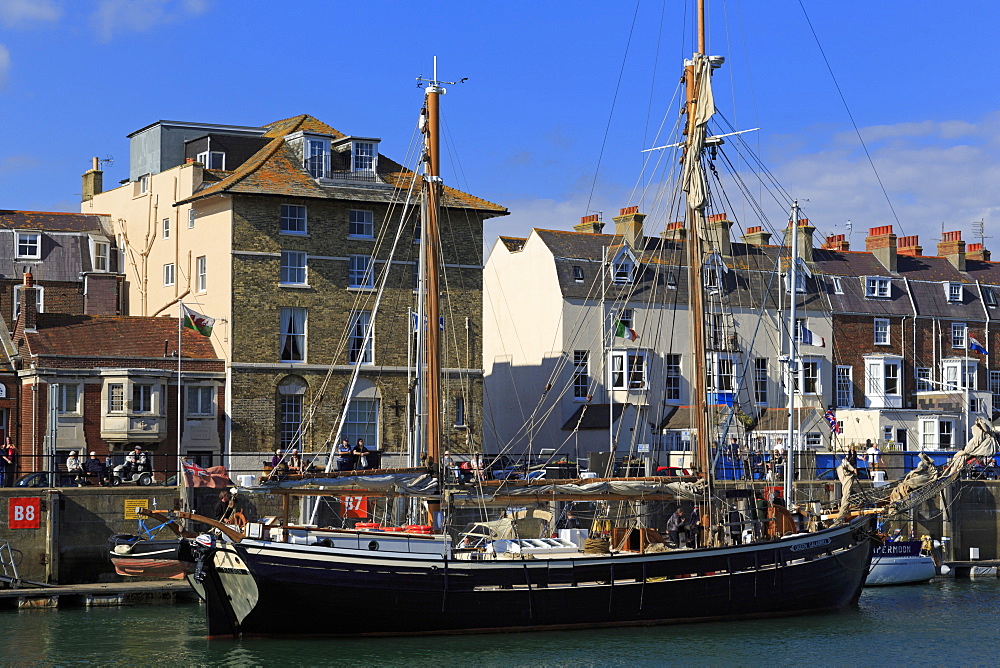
{"x":953,"y":248}
{"x":589,"y":224}
{"x":628,"y":225}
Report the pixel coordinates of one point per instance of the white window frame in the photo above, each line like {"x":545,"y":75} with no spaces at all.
{"x":955,"y":292}
{"x":936,"y":432}
{"x":200,"y":401}
{"x":628,"y":370}
{"x":881,"y":332}
{"x":100,"y":252}
{"x":361,"y":219}
{"x":881,"y":373}
{"x":844,"y":386}
{"x":169,"y":277}
{"x":364,"y":157}
{"x":627,"y":317}
{"x":760,"y":380}
{"x":989,"y":296}
{"x":28,"y":245}
{"x":578,"y":273}
{"x":959,"y":335}
{"x":357,"y":348}
{"x":143,"y":182}
{"x":877,"y":287}
{"x":39,"y":299}
{"x":294,"y":268}
{"x":811,"y":376}
{"x":201,"y":273}
{"x":673,"y":373}
{"x":316,"y":157}
{"x":207,"y":159}
{"x":838,"y":285}
{"x":994,"y":381}
{"x":623,"y":267}
{"x":116,"y":398}
{"x":923,"y":378}
{"x":143,"y":398}
{"x":800,"y":282}
{"x":581,"y":375}
{"x":360,"y":272}
{"x":951,"y":373}
{"x":191,"y":218}
{"x":166,"y":228}
{"x":68,"y":402}
{"x":722,"y":369}
{"x":292,"y":330}
{"x":293,"y":219}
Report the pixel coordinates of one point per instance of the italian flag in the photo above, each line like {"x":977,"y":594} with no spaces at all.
{"x":196,"y":321}
{"x":625,"y":332}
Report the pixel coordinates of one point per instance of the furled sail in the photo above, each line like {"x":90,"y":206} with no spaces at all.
{"x":695,"y":183}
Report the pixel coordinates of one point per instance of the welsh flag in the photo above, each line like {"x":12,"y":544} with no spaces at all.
{"x":196,"y":321}
{"x":625,"y":332}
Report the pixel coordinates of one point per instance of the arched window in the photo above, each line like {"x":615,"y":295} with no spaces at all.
{"x":291,"y":391}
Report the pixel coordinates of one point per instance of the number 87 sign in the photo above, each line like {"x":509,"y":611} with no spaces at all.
{"x":24,"y":513}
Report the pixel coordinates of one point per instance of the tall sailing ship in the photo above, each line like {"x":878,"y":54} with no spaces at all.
{"x":255,"y":578}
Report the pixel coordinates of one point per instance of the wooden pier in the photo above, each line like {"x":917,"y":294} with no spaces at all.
{"x":98,"y":595}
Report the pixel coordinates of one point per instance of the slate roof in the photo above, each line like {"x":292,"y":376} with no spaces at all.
{"x":513,"y":244}
{"x":65,"y":245}
{"x":50,"y":221}
{"x":113,"y":337}
{"x":275,"y":170}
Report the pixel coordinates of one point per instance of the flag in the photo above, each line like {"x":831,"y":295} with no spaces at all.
{"x":809,"y":338}
{"x":831,"y":419}
{"x":214,"y":476}
{"x":196,"y":321}
{"x":625,"y":332}
{"x":977,"y":346}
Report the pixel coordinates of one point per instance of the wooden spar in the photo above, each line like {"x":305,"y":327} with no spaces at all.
{"x":230,"y":532}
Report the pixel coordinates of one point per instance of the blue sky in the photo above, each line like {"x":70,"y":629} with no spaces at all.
{"x":528,"y":127}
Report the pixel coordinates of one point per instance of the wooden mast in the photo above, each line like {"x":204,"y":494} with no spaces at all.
{"x":695,"y":216}
{"x":432,"y":185}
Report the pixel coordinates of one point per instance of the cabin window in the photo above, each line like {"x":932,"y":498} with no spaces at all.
{"x":954,"y":292}
{"x":293,"y":219}
{"x":876,"y":287}
{"x":845,"y":386}
{"x":359,"y":350}
{"x":361,"y":224}
{"x":672,"y":372}
{"x":760,"y":380}
{"x":959,"y":330}
{"x":360,"y":272}
{"x":293,"y":334}
{"x":293,"y":268}
{"x":881,"y":337}
{"x":581,"y":374}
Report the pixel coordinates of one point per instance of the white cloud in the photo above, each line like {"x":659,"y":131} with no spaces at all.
{"x":4,"y":64}
{"x":21,"y":12}
{"x":113,"y":17}
{"x":18,"y":163}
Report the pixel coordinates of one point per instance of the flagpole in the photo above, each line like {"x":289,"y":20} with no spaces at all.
{"x":180,"y":403}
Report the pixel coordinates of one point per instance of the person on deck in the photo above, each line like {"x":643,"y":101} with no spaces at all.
{"x":75,"y":468}
{"x":360,"y":455}
{"x":692,"y":527}
{"x":345,"y":458}
{"x":674,"y":526}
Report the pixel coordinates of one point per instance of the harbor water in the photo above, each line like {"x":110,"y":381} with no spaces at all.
{"x":946,"y":622}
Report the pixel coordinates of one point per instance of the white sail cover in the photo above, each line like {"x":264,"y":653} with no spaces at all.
{"x":416,"y":484}
{"x":636,"y":488}
{"x":695,"y":183}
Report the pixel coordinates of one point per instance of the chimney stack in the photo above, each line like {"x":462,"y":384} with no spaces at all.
{"x":756,"y":236}
{"x":717,"y":233}
{"x":589,"y":224}
{"x":805,"y":238}
{"x":675,"y":232}
{"x":628,"y":224}
{"x":29,"y":303}
{"x":910,"y":246}
{"x":952,"y":247}
{"x":977,"y":252}
{"x":881,"y":243}
{"x":837,"y":242}
{"x":93,"y":182}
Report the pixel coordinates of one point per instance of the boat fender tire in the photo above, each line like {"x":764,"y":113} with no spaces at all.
{"x":373,"y":545}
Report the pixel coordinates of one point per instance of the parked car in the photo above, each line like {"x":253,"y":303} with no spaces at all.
{"x":41,"y":479}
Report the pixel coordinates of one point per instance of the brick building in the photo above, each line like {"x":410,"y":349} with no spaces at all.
{"x":283,"y":233}
{"x":99,"y":383}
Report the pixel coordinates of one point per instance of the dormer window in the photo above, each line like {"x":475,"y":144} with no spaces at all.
{"x":212,"y":159}
{"x":29,"y":245}
{"x":876,"y":287}
{"x":671,"y":280}
{"x":317,"y":158}
{"x":101,"y":254}
{"x":623,"y":267}
{"x":800,"y":283}
{"x":838,"y":286}
{"x":990,"y":297}
{"x":364,"y":156}
{"x":712,"y":271}
{"x":578,"y":273}
{"x":954,"y":292}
